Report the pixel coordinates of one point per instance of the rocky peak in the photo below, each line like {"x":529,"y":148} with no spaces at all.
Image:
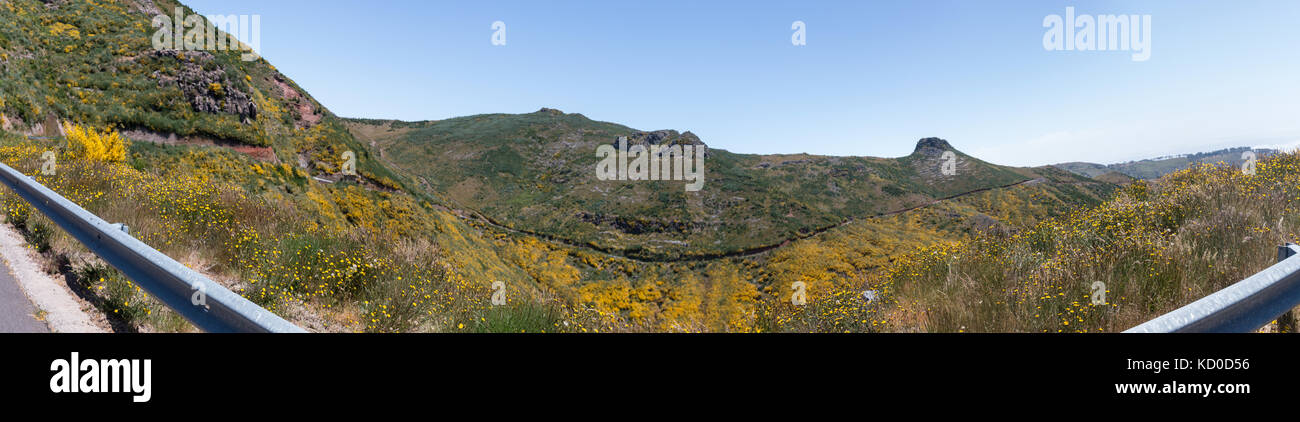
{"x":661,"y":137}
{"x":930,"y":146}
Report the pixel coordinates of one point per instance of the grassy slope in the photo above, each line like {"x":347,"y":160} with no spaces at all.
{"x":105,"y":73}
{"x":536,"y":172}
{"x":750,"y":293}
{"x":1154,"y":247}
{"x":329,"y":256}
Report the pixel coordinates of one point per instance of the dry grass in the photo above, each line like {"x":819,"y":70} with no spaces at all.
{"x":1155,"y":247}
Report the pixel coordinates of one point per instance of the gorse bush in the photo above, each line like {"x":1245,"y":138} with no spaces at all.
{"x":95,"y":145}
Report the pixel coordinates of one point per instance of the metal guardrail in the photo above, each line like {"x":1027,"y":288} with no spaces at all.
{"x":1242,"y":307}
{"x":208,"y":305}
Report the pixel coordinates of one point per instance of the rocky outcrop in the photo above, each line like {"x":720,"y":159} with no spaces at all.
{"x":146,"y":7}
{"x":931,"y":146}
{"x":208,"y":91}
{"x":663,"y":137}
{"x":306,"y":114}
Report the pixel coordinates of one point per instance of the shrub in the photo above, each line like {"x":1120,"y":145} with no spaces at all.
{"x":95,"y":145}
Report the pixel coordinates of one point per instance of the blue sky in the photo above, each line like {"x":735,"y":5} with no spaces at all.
{"x":874,"y":76}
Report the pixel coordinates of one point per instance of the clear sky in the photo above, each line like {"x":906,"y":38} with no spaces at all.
{"x":874,"y":76}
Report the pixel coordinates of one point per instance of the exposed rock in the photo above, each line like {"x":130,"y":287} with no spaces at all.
{"x":932,"y":146}
{"x":146,"y":7}
{"x":665,"y":138}
{"x":651,"y":138}
{"x":208,"y":91}
{"x":307,"y":114}
{"x":145,"y":135}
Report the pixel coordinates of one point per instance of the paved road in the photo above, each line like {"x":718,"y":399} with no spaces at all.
{"x":16,"y":311}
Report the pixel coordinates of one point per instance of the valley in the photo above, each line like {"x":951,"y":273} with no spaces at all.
{"x":366,"y":225}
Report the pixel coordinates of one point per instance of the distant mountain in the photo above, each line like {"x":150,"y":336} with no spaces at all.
{"x":1155,"y":167}
{"x":536,"y":173}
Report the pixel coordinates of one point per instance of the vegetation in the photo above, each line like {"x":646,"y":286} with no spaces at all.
{"x":234,"y":170}
{"x":1154,"y":247}
{"x":535,"y":173}
{"x":95,"y":145}
{"x":276,"y":249}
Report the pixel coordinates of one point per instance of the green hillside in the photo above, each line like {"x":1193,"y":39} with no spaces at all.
{"x":537,"y":173}
{"x":236,"y":171}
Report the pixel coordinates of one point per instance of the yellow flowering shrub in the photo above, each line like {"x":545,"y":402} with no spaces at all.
{"x":95,"y":145}
{"x":60,"y":28}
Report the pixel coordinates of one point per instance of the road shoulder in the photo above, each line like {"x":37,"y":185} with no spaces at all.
{"x":63,"y":311}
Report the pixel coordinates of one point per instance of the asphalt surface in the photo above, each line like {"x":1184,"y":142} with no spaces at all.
{"x":16,"y":311}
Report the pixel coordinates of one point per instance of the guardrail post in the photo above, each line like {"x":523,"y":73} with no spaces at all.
{"x":1287,"y":322}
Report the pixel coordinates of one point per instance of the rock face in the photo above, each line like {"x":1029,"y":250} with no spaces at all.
{"x":930,"y":163}
{"x":932,"y":146}
{"x":209,"y":91}
{"x":661,"y":137}
{"x":303,"y":108}
{"x":146,"y":7}
{"x":664,"y":138}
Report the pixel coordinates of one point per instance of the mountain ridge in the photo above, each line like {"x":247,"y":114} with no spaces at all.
{"x":1152,"y":168}
{"x":481,"y":154}
{"x":292,"y":218}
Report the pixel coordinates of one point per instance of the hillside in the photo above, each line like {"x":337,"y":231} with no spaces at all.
{"x":1156,"y":246}
{"x":1154,"y":168}
{"x":233,"y":169}
{"x":537,"y":173}
{"x":232,"y":140}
